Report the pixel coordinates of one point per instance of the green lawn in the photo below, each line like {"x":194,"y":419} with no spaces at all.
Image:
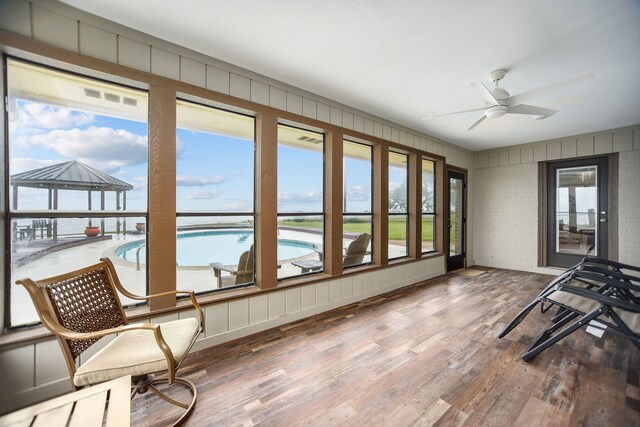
{"x":397,"y":227}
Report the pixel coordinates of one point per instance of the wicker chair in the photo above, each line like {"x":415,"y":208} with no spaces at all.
{"x":82,"y":306}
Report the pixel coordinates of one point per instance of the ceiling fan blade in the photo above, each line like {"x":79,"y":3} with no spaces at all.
{"x":485,"y":93}
{"x":535,"y":93}
{"x":531,"y":110}
{"x":477,"y":122}
{"x":457,"y":112}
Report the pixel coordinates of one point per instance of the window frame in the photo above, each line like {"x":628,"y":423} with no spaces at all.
{"x":406,"y":214}
{"x":369,"y":214}
{"x":280,"y":214}
{"x":195,"y":214}
{"x":431,"y":213}
{"x":52,"y":213}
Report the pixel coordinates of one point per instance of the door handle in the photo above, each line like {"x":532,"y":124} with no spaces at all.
{"x":603,"y":219}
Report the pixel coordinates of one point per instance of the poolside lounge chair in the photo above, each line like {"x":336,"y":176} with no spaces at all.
{"x":240,"y":275}
{"x":354,"y":255}
{"x":83,"y":306}
{"x":243,"y":273}
{"x":594,"y":289}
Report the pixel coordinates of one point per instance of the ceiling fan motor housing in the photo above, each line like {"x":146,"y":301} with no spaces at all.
{"x":496,"y":111}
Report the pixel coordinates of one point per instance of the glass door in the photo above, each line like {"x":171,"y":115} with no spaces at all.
{"x":456,"y":221}
{"x":577,"y":211}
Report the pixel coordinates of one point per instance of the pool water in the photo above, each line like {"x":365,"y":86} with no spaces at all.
{"x":223,"y":246}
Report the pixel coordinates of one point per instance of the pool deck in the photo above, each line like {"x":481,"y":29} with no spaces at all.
{"x":85,"y":251}
{"x":28,"y":251}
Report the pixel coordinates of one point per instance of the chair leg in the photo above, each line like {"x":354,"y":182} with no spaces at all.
{"x":554,"y":339}
{"x":560,"y":314}
{"x":149,"y":383}
{"x":519,"y":318}
{"x":627,"y":332}
{"x":554,"y":327}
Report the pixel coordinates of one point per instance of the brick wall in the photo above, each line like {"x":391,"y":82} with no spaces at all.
{"x":506,"y":196}
{"x":629,"y":206}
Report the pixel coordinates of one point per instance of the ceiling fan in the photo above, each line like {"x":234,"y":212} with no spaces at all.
{"x":499,"y":102}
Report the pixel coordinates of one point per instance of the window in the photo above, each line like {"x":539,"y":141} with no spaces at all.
{"x":358,"y":203}
{"x":398,"y":204}
{"x":214,"y":198}
{"x":77,"y":173}
{"x":428,"y":206}
{"x":300,"y":201}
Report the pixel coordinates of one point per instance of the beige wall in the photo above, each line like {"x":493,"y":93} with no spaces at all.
{"x":36,"y":371}
{"x":506,"y":196}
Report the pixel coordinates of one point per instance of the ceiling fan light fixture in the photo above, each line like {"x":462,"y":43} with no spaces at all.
{"x":496,"y":111}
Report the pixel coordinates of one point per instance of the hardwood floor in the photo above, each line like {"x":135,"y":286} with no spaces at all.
{"x":423,"y":355}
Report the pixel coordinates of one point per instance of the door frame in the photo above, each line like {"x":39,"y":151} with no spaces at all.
{"x":447,"y":210}
{"x":612,"y":216}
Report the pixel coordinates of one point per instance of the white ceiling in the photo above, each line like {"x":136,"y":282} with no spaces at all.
{"x":404,"y":60}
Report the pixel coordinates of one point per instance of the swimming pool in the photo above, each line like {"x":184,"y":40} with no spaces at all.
{"x":224,"y":246}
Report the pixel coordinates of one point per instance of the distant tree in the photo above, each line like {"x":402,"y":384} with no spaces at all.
{"x":427,"y":192}
{"x":398,"y":198}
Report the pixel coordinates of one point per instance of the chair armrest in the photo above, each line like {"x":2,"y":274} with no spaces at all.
{"x":222,"y":267}
{"x":60,"y":330}
{"x":191,"y":295}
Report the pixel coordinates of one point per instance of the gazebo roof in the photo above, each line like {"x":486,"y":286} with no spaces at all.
{"x":71,"y":175}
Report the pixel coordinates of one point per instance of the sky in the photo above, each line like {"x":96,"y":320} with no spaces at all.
{"x":42,"y":135}
{"x":213,"y":172}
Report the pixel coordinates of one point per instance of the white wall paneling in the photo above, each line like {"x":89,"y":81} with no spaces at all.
{"x":278,"y":98}
{"x":98,"y":43}
{"x":164,"y":63}
{"x":309,"y":108}
{"x":15,"y":17}
{"x":134,"y":54}
{"x":259,"y":92}
{"x":239,"y":86}
{"x":193,"y":72}
{"x":54,"y":28}
{"x":294,"y":103}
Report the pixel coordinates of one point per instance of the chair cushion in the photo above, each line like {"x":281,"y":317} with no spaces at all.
{"x":574,"y":301}
{"x":586,"y":305}
{"x":137,"y":353}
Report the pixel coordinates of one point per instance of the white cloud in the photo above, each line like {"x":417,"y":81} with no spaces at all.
{"x":203,"y":194}
{"x":30,"y":118}
{"x":23,"y":164}
{"x":199,"y":181}
{"x":310,"y":197}
{"x":139,"y":183}
{"x":239,"y":206}
{"x":105,"y":148}
{"x":358,"y":193}
{"x":394,"y":185}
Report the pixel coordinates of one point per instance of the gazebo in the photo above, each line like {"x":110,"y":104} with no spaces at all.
{"x":71,"y":175}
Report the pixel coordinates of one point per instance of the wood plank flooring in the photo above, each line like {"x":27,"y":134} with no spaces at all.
{"x":427,"y":354}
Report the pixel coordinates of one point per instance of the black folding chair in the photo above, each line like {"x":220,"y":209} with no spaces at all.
{"x":592,"y":289}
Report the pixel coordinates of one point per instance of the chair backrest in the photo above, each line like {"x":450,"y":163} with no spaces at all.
{"x":356,"y":250}
{"x":245,"y":267}
{"x":83,"y":300}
